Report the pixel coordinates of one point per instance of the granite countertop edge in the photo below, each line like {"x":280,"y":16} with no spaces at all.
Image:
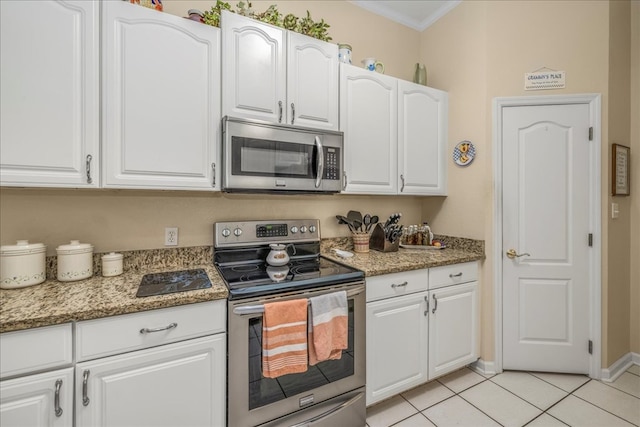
{"x":53,"y":302}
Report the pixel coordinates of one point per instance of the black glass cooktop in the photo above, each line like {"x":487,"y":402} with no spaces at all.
{"x":173,"y":281}
{"x":254,"y":279}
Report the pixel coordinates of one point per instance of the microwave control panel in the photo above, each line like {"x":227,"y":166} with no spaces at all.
{"x":332,"y":163}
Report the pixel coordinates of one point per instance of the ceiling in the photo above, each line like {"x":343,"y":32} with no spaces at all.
{"x":416,"y":14}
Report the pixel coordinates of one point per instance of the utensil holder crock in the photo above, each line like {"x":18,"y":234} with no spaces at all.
{"x":360,"y":242}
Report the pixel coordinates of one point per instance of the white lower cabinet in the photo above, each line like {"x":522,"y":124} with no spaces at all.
{"x":396,"y":345}
{"x":453,"y":328}
{"x":38,"y":400}
{"x":176,"y":384}
{"x":421,"y":324}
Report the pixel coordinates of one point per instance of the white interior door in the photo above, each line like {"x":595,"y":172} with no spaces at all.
{"x":546,"y":221}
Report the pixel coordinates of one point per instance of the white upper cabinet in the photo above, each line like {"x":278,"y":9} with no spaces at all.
{"x":312,"y":83}
{"x":395,"y":134}
{"x":161,"y":100}
{"x":368,"y":118}
{"x":422,"y":139}
{"x":278,"y":76}
{"x":49,"y":88}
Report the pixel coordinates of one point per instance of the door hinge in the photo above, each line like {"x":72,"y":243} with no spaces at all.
{"x":590,"y":347}
{"x":590,"y":239}
{"x":591,"y":133}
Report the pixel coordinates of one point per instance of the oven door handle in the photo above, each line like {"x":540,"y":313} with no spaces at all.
{"x":257,"y":309}
{"x":330,"y":412}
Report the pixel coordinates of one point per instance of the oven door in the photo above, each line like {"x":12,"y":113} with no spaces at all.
{"x":267,"y":157}
{"x":329,"y":391}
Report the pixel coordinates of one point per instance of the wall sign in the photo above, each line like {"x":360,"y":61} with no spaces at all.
{"x":620,"y":170}
{"x":541,"y":80}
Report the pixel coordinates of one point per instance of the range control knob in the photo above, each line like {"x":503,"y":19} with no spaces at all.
{"x":237,"y":232}
{"x":294,"y":229}
{"x":226,"y":232}
{"x":303,"y":229}
{"x":312,"y":229}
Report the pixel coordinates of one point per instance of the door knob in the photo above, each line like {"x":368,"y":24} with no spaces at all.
{"x":511,"y":254}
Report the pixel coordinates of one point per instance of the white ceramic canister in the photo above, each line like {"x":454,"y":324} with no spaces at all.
{"x":75,"y":261}
{"x":22,"y":264}
{"x":111,"y":264}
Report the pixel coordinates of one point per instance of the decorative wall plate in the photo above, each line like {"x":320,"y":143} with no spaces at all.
{"x":464,"y":153}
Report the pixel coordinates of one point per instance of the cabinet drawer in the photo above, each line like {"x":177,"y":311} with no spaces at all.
{"x":35,"y":349}
{"x":119,"y":334}
{"x":390,"y":285}
{"x":453,"y":274}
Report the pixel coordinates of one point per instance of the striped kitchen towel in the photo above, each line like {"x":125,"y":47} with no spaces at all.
{"x":328,"y":331}
{"x":284,"y":338}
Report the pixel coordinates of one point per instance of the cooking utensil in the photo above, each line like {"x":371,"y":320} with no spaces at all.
{"x":344,"y":220}
{"x":355,"y":216}
{"x":366,"y":220}
{"x":374,"y":221}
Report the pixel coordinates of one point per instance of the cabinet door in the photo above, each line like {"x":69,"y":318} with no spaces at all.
{"x":161,"y":97}
{"x":422,"y":139}
{"x":368,"y":118}
{"x":453,"y":328}
{"x":38,"y":400}
{"x":396,"y":345}
{"x":179,"y":384}
{"x":49,"y":108}
{"x":312,"y":82}
{"x":254,"y":69}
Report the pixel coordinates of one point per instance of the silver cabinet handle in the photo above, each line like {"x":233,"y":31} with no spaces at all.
{"x":435,"y":304}
{"x":89,"y":158}
{"x":426,"y":312}
{"x":320,"y":161}
{"x":213,"y":170}
{"x":85,"y":387}
{"x":56,"y":399}
{"x":327,"y":414}
{"x":163,"y":328}
{"x":280,"y":112}
{"x":401,"y":285}
{"x":402,"y":179}
{"x":451,"y":276}
{"x":293,"y":112}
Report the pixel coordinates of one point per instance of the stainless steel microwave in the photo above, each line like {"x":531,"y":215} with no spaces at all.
{"x":259,"y":156}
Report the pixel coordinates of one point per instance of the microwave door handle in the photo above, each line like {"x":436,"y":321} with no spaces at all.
{"x":319,"y":161}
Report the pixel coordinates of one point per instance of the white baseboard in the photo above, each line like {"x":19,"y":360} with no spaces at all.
{"x":483,"y":367}
{"x":612,"y":373}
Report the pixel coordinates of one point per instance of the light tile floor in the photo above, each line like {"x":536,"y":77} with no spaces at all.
{"x":533,"y":399}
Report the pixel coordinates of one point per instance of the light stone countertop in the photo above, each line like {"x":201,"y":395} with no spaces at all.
{"x":54,"y":302}
{"x":375,"y":263}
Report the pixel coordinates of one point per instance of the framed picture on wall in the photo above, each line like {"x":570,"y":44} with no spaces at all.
{"x":620,"y":170}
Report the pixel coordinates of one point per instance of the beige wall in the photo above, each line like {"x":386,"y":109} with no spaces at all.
{"x":617,"y":287}
{"x":480,"y":51}
{"x":635,"y":178}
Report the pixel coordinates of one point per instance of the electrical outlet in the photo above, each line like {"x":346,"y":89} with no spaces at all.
{"x":171,"y":236}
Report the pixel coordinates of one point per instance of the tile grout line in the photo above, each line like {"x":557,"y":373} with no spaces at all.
{"x":603,"y":409}
{"x":531,"y":403}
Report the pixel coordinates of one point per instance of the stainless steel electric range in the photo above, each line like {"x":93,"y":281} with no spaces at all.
{"x":330,"y":393}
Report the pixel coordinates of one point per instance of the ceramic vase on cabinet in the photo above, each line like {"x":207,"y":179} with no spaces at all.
{"x":420,"y":74}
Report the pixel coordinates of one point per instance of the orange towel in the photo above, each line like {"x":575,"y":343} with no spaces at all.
{"x":328,"y":331}
{"x":284,"y":338}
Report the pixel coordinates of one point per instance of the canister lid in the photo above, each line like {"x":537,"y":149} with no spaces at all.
{"x":22,"y":247}
{"x":344,"y":46}
{"x":112,"y":256}
{"x":74,"y":247}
